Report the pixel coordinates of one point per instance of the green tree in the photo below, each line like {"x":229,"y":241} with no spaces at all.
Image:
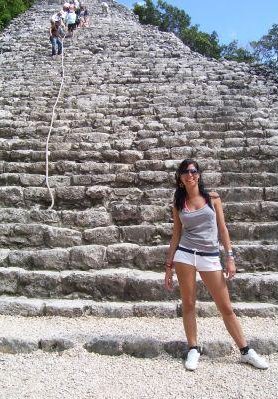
{"x":171,"y":19}
{"x":266,"y":49}
{"x":232,"y":52}
{"x":11,"y":8}
{"x":148,"y":14}
{"x":201,"y":42}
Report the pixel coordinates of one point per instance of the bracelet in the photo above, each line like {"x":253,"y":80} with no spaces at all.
{"x":230,"y":253}
{"x":169,"y":265}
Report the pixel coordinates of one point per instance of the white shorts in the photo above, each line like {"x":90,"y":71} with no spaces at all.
{"x":202,"y":263}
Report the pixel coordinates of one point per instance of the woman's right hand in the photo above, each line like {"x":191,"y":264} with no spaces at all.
{"x":168,"y":281}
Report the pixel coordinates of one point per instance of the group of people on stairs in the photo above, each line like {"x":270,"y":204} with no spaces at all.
{"x":63,"y":24}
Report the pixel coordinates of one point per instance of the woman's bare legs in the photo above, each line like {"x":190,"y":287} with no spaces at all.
{"x":187,"y":283}
{"x":216,"y":284}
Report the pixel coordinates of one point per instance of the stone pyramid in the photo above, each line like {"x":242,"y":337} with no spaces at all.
{"x":135,"y":102}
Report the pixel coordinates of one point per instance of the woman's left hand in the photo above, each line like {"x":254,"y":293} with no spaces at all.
{"x":168,"y":280}
{"x":230,"y":268}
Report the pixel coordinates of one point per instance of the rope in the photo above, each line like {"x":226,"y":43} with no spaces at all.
{"x":47,"y":153}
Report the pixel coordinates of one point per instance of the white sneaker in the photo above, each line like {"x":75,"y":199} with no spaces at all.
{"x":191,"y":362}
{"x":253,"y":358}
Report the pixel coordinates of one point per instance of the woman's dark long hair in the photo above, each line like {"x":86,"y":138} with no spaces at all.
{"x":180,"y":193}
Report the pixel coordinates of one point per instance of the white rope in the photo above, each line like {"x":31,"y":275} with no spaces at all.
{"x":47,"y":153}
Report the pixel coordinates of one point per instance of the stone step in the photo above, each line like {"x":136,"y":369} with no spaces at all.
{"x":129,"y":222}
{"x":20,"y":235}
{"x":103,"y":254}
{"x":118,"y":173}
{"x":125,"y":285}
{"x":138,"y":337}
{"x":137,"y":159}
{"x":13,"y":181}
{"x":151,"y":208}
{"x":253,"y":231}
{"x":31,"y":307}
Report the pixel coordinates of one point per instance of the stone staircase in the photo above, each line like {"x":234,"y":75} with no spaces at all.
{"x":135,"y":103}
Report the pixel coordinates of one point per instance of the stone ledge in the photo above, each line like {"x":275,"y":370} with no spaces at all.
{"x":140,"y":347}
{"x":150,"y":348}
{"x":31,"y":307}
{"x":124,"y":284}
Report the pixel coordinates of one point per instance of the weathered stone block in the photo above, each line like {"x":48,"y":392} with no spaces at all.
{"x":146,"y":144}
{"x":59,"y":237}
{"x":94,"y":167}
{"x":144,"y":347}
{"x":21,"y":307}
{"x":91,"y":218}
{"x":9,"y":280}
{"x":51,"y":259}
{"x":181,"y":152}
{"x":122,"y":254}
{"x":70,"y":194}
{"x":126,"y":213}
{"x":13,"y":345}
{"x":32,"y":180}
{"x":88,"y":257}
{"x":100,"y":286}
{"x":177,"y":349}
{"x":97,"y":192}
{"x":153,"y":213}
{"x":127,"y":194}
{"x":271,"y":193}
{"x":153,"y":177}
{"x":149,"y":165}
{"x":152,"y":258}
{"x":105,"y":346}
{"x":138,"y":234}
{"x":214,"y":348}
{"x":29,"y":234}
{"x":102,"y":235}
{"x":131,"y":156}
{"x":157,"y":153}
{"x":55,"y":344}
{"x":11,"y":196}
{"x":37,"y":195}
{"x":39,"y":284}
{"x":22,"y":259}
{"x":127,"y":177}
{"x":4,"y":257}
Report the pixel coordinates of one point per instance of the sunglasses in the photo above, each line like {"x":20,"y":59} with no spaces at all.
{"x":187,"y":171}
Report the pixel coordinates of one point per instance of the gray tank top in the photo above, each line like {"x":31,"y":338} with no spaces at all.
{"x":199,"y":230}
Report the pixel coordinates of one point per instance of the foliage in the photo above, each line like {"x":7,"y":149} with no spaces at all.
{"x":11,"y":8}
{"x":171,"y":19}
{"x":201,"y":42}
{"x":266,"y":49}
{"x":234,"y":53}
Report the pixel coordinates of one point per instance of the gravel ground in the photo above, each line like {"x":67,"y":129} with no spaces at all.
{"x":76,"y":373}
{"x":79,"y":374}
{"x":84,"y":327}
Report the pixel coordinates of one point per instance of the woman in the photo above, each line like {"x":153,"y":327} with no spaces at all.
{"x":198,"y":220}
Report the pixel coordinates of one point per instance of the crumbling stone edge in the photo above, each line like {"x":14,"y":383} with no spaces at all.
{"x":139,"y":347}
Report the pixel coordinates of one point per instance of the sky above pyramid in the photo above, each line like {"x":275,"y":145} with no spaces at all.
{"x":242,"y":20}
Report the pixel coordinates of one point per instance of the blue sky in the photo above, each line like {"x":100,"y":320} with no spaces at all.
{"x":242,"y":20}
